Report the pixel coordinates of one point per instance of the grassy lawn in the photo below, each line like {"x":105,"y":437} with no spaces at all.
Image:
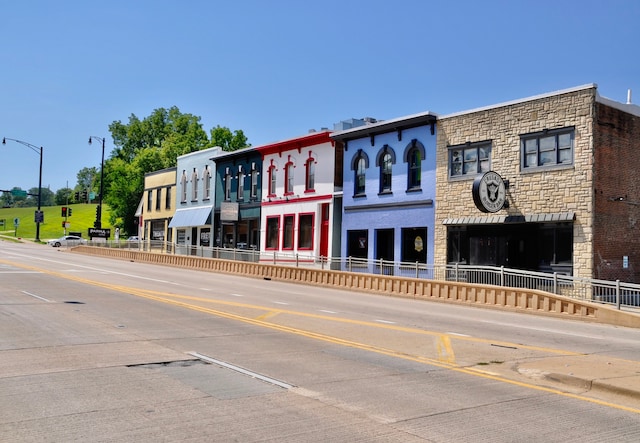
{"x":82,"y":218}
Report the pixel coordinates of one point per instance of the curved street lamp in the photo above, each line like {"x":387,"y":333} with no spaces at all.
{"x":39,"y":217}
{"x":98,"y":222}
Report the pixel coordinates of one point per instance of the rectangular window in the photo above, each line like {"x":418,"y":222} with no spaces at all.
{"x":547,"y":148}
{"x":227,"y":185}
{"x":272,"y":181}
{"x":273,"y":228}
{"x":311,"y":175}
{"x":287,"y":234}
{"x":358,"y":243}
{"x":150,"y":200}
{"x":240,"y":192}
{"x":158,"y":199}
{"x":254,"y":182}
{"x":288,"y":178}
{"x":414,"y":245}
{"x":167,"y":197}
{"x":470,"y":159}
{"x":305,"y":231}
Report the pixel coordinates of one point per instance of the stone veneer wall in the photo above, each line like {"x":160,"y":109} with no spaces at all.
{"x":556,"y":189}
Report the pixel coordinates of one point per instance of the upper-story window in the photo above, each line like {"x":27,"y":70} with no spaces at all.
{"x":359,"y":166}
{"x":413,"y":156}
{"x":547,"y":148}
{"x":254,"y":181}
{"x":150,"y":200}
{"x":206,"y":178}
{"x":310,"y":174}
{"x":194,"y":185}
{"x":288,"y":178}
{"x":272,"y":180}
{"x":183,"y":187}
{"x":158,"y":199}
{"x":240,"y":192}
{"x":469,"y":159}
{"x":227,"y":184}
{"x":385,"y":161}
{"x":167,"y":197}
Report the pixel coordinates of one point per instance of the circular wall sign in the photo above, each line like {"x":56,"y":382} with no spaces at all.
{"x":489,"y":192}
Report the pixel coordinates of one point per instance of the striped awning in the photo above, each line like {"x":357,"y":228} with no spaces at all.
{"x":553,"y":217}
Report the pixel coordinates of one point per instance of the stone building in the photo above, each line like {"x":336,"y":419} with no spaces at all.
{"x":547,"y":183}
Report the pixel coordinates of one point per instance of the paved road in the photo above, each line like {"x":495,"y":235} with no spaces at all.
{"x":105,"y":350}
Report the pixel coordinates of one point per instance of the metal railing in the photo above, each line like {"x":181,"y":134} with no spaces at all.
{"x":615,"y":293}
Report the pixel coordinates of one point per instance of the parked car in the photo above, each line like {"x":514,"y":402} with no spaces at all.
{"x":67,"y":240}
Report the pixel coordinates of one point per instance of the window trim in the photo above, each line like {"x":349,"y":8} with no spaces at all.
{"x":310,"y":175}
{"x":254,"y":182}
{"x":183,"y":185}
{"x":289,"y":178}
{"x":194,"y":185}
{"x":227,"y":184}
{"x":355,"y":164}
{"x":240,"y":177}
{"x":266,"y":243}
{"x":311,"y":227}
{"x":206,"y":178}
{"x":477,"y":146}
{"x":414,"y":147}
{"x":292,"y":234}
{"x":273,"y":181}
{"x":570,"y":130}
{"x":386,"y":169}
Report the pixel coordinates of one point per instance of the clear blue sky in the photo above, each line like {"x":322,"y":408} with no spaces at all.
{"x":276,"y":69}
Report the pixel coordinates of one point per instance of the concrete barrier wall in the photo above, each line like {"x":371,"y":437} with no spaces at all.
{"x":514,"y":299}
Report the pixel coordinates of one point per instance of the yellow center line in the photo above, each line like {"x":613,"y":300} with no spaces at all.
{"x":446,"y":354}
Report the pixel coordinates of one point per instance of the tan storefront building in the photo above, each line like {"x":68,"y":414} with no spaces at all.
{"x":546,"y":183}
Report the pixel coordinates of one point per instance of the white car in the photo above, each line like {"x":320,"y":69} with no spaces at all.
{"x":67,"y":240}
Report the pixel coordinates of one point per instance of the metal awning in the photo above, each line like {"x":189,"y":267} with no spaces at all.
{"x":199,"y":216}
{"x":553,"y":217}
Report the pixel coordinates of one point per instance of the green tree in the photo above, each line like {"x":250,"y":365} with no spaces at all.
{"x":63,"y":196}
{"x":227,"y":140}
{"x":47,"y":198}
{"x":151,"y":144}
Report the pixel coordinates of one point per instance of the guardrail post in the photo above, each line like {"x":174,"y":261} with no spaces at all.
{"x":297,"y":261}
{"x":618,"y":301}
{"x":417,"y":270}
{"x":381,"y":269}
{"x":274,"y":257}
{"x":555,"y":282}
{"x":456,"y":271}
{"x":501,"y":275}
{"x":349,"y":263}
{"x":322,"y":262}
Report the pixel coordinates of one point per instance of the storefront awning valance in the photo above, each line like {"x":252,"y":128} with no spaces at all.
{"x":553,"y":217}
{"x":191,"y":217}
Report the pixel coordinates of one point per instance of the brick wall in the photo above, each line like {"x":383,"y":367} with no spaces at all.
{"x":617,"y":195}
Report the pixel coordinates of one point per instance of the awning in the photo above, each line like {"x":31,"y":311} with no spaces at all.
{"x":191,"y":217}
{"x":554,"y":217}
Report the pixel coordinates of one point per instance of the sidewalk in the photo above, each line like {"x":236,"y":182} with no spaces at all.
{"x":594,"y":373}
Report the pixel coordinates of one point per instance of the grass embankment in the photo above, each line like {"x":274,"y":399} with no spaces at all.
{"x":82,"y":218}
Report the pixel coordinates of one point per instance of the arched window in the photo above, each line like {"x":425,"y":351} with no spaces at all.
{"x":310,"y":173}
{"x":386,"y":159}
{"x":194,"y":185}
{"x":288,"y":178}
{"x":359,"y":166}
{"x":272,"y":180}
{"x":183,"y":187}
{"x":206,"y":177}
{"x":413,"y":156}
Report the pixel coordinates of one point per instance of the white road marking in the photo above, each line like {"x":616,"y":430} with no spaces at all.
{"x":36,"y":296}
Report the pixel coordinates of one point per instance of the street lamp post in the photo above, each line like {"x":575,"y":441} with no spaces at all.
{"x":37,"y":150}
{"x":98,"y":222}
